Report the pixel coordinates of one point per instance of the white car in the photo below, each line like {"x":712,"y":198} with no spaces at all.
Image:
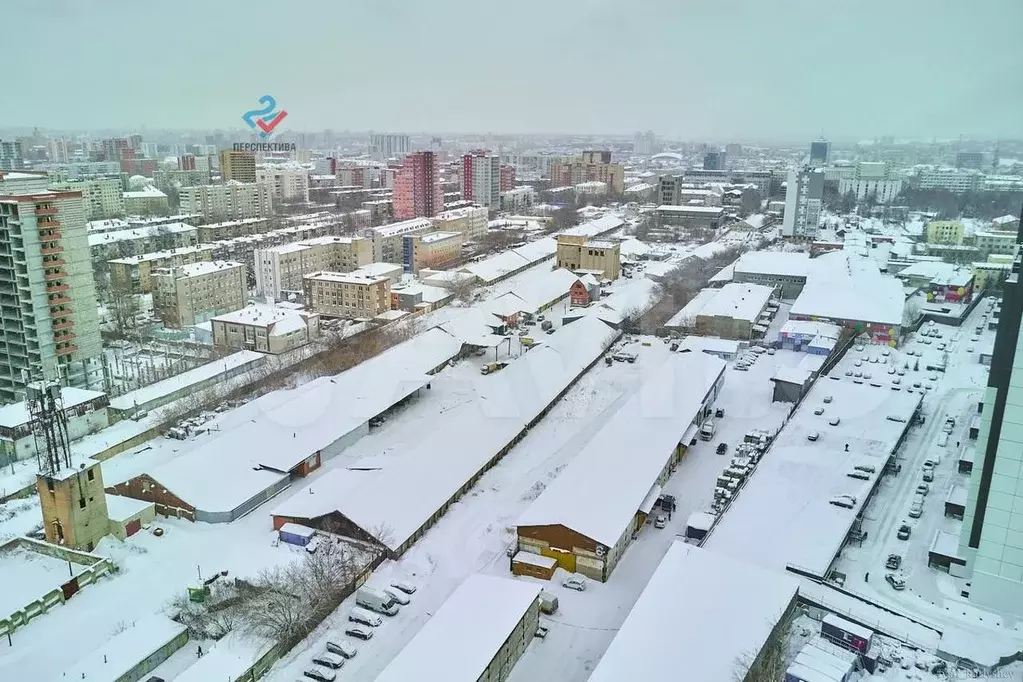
{"x":397,"y":595}
{"x":969,"y":349}
{"x":661,"y":521}
{"x":575,"y":582}
{"x":834,"y":421}
{"x":812,"y":436}
{"x":819,"y":411}
{"x":406,"y":587}
{"x":342,"y":649}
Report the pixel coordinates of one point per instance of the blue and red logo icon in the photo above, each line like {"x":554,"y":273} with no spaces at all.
{"x":265,"y":119}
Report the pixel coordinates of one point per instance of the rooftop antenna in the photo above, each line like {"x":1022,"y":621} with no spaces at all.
{"x":49,"y":425}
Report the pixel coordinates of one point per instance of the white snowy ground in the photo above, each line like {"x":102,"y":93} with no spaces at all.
{"x":34,"y":574}
{"x":931,"y":595}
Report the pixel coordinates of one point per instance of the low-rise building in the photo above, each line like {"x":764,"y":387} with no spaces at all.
{"x":265,"y":329}
{"x":280,"y":269}
{"x":730,"y":312}
{"x":995,"y":242}
{"x":139,"y":240}
{"x":690,"y":217}
{"x":991,"y":274}
{"x":229,"y":229}
{"x":176,"y":179}
{"x":470,"y":221}
{"x":433,"y":251}
{"x":519,"y":198}
{"x":582,"y":255}
{"x":388,"y":240}
{"x":943,"y":282}
{"x":231,"y":201}
{"x":335,"y":294}
{"x":86,"y":413}
{"x":776,"y":269}
{"x":945,"y":232}
{"x":189,"y":294}
{"x":146,"y":201}
{"x":134,"y":273}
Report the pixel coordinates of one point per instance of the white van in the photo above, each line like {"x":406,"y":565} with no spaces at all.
{"x":707,"y":430}
{"x":376,"y":600}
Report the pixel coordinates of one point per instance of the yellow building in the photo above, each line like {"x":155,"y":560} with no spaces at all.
{"x":191,"y":294}
{"x":435,"y":251}
{"x":471,"y":221}
{"x":134,"y":273}
{"x":240,"y":166}
{"x":335,"y":294}
{"x":945,"y":232}
{"x":589,"y":167}
{"x":74,"y":506}
{"x":992,"y":273}
{"x":599,"y":257}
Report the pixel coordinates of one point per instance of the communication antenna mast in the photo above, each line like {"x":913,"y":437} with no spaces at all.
{"x":49,"y":426}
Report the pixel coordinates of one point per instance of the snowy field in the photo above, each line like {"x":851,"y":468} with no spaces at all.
{"x":33,"y":573}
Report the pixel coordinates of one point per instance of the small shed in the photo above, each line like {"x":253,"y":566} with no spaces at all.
{"x":790,"y":384}
{"x":698,"y":525}
{"x":295,"y":534}
{"x":128,"y":516}
{"x":528,"y":563}
{"x":966,"y":460}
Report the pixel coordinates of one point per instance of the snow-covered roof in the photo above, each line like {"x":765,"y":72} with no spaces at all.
{"x":692,"y":210}
{"x":739,"y":301}
{"x":120,"y":508}
{"x":97,"y":238}
{"x":756,"y":221}
{"x":784,"y":516}
{"x":160,"y":255}
{"x":595,"y":228}
{"x":1004,"y":220}
{"x":297,"y":530}
{"x":705,"y":632}
{"x":810,"y":328}
{"x":205,"y":267}
{"x":939,"y":273}
{"x":263,"y":316}
{"x":147,"y":394}
{"x":323,"y":494}
{"x":781,"y":263}
{"x":17,"y":414}
{"x":791,"y":375}
{"x":402,"y":227}
{"x":462,"y":638}
{"x":598,"y":493}
{"x":541,"y":290}
{"x":217,"y":481}
{"x":538,"y":250}
{"x":496,"y":267}
{"x":725,"y":274}
{"x":844,"y":286}
{"x":524,"y":557}
{"x":227,"y":659}
{"x":708,"y":344}
{"x":121,"y":653}
{"x":687,"y":315}
{"x":439,"y":465}
{"x":147,"y":192}
{"x":634,"y":247}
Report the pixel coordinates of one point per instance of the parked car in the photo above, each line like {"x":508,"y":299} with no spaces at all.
{"x":928,"y":475}
{"x":575,"y":582}
{"x":770,"y":351}
{"x":896,"y":582}
{"x":834,"y":421}
{"x":904,"y":532}
{"x":329,"y":660}
{"x":922,"y":489}
{"x":845,"y":501}
{"x":342,"y":649}
{"x":359,"y":632}
{"x":916,"y":509}
{"x":893,"y":562}
{"x":722,"y":448}
{"x":364,"y":617}
{"x":719,"y":413}
{"x":827,"y":399}
{"x":818,"y":411}
{"x":661,"y":521}
{"x":398,"y":596}
{"x":812,"y":436}
{"x":320,"y":674}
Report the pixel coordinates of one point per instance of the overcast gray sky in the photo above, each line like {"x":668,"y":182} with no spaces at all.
{"x":739,"y":69}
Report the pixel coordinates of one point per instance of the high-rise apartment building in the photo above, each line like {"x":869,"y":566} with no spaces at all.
{"x":820,"y":153}
{"x":187,"y":295}
{"x":48,"y":311}
{"x":591,"y":166}
{"x":991,"y":537}
{"x":507,"y":177}
{"x":969,"y":159}
{"x":644,"y":144}
{"x":388,"y":146}
{"x":289,"y":182}
{"x":803,"y":199}
{"x":11,"y":157}
{"x":230,"y":201}
{"x":481,"y":179}
{"x":417,"y":191}
{"x":236,"y":165}
{"x":872,"y":179}
{"x":104,"y":197}
{"x":715,"y":161}
{"x":56,"y":150}
{"x":186,"y":162}
{"x":112,"y":149}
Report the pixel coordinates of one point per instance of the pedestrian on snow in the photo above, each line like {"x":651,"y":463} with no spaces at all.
{"x":198,"y":653}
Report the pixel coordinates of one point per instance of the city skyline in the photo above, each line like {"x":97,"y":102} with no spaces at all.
{"x":746,"y":71}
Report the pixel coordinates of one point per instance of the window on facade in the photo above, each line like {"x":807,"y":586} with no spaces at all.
{"x":92,"y":474}
{"x":81,"y":503}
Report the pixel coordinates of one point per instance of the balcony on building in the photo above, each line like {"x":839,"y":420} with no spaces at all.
{"x":63,"y":325}
{"x":58,"y":300}
{"x":51,"y":250}
{"x":54,"y":288}
{"x":52,"y":276}
{"x":63,"y":336}
{"x":66,"y":350}
{"x":48,"y":224}
{"x":45,"y":210}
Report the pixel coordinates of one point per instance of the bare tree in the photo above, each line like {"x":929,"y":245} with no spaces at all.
{"x":461,"y":287}
{"x":771,"y":662}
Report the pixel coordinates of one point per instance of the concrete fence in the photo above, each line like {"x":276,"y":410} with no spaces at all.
{"x":96,"y":568}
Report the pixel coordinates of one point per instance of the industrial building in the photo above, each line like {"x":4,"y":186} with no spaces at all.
{"x":477,"y":634}
{"x":85,"y":411}
{"x":777,"y":269}
{"x":603,"y":259}
{"x":587,"y":516}
{"x":731,"y":312}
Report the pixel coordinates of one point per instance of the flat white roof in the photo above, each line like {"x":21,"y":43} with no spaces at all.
{"x":120,"y":508}
{"x":523,"y":557}
{"x":691,"y":309}
{"x":461,"y":639}
{"x":430,"y":474}
{"x":810,"y":328}
{"x":402,"y":227}
{"x":709,"y":344}
{"x":148,"y":192}
{"x":598,"y":493}
{"x":159,"y":255}
{"x":17,"y":414}
{"x":784,"y":515}
{"x":778,"y":263}
{"x":739,"y":301}
{"x":205,"y":267}
{"x":692,"y":210}
{"x":538,"y":250}
{"x":142,"y":637}
{"x":260,"y":315}
{"x":297,"y":529}
{"x":227,"y":659}
{"x":597,"y":227}
{"x":439,"y":236}
{"x":496,"y":267}
{"x":940,"y":273}
{"x":142,"y":232}
{"x":147,"y":394}
{"x":851,"y":295}
{"x":701,"y":613}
